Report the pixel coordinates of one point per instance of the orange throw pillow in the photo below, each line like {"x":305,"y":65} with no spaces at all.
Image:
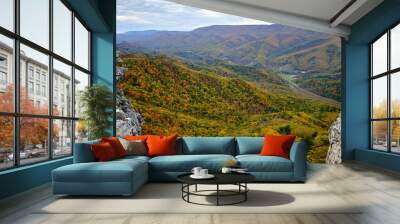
{"x":116,"y":145}
{"x":136,"y":138}
{"x":277,"y":145}
{"x":103,"y":152}
{"x":161,"y":146}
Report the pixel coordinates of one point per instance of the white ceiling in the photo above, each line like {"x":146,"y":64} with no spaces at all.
{"x":320,"y":9}
{"x":313,"y":15}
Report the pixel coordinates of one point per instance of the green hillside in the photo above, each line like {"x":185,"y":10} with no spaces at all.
{"x":253,"y":48}
{"x":327,"y":85}
{"x":176,"y":97}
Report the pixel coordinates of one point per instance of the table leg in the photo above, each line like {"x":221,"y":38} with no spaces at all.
{"x":195,"y":188}
{"x":245,"y":193}
{"x":217,"y":194}
{"x":182,"y":190}
{"x":188,"y":189}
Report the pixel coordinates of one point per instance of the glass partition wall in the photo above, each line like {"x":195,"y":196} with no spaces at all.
{"x":44,"y":64}
{"x":385,"y":91}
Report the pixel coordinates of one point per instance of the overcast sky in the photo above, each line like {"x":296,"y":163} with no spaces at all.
{"x":137,"y":15}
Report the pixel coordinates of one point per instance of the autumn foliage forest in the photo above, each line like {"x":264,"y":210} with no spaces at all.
{"x":176,"y":97}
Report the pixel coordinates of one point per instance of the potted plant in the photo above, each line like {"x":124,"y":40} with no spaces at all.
{"x":97,"y":105}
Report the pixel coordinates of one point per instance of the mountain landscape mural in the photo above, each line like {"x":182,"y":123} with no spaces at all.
{"x":234,"y":80}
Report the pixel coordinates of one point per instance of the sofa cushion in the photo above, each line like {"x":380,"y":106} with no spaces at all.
{"x":207,"y":145}
{"x":135,"y":147}
{"x":112,"y":171}
{"x":257,"y":163}
{"x":116,"y":145}
{"x":249,"y":145}
{"x":185,"y":163}
{"x":142,"y":138}
{"x":277,"y":145}
{"x":161,"y":146}
{"x":103,"y":152}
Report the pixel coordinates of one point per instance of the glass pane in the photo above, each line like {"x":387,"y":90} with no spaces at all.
{"x":62,"y":29}
{"x":6,"y":74}
{"x":33,"y":139}
{"x":81,"y":131}
{"x":395,"y":47}
{"x":379,"y":97}
{"x":395,"y":136}
{"x":62,"y":138}
{"x":34,"y":97}
{"x":6,"y":142}
{"x":35,"y":21}
{"x":81,"y":45}
{"x":379,"y":135}
{"x":7,"y":14}
{"x":395,"y":94}
{"x":379,"y":55}
{"x":81,"y":82}
{"x":62,"y":89}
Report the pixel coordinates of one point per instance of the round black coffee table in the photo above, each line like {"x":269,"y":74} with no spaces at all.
{"x":238,"y":179}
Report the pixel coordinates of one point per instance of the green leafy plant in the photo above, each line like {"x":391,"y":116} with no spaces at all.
{"x":285,"y":129}
{"x":97,"y":104}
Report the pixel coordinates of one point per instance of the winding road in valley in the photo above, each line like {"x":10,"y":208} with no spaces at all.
{"x":308,"y":94}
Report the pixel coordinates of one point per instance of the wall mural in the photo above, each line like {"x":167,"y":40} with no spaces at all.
{"x":201,"y":73}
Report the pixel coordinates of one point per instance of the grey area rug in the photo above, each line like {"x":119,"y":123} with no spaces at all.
{"x":166,"y":198}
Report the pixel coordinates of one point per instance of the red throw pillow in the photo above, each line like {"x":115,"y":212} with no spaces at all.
{"x":136,"y":138}
{"x":161,"y":146}
{"x":103,"y":152}
{"x":116,"y":145}
{"x":277,"y":145}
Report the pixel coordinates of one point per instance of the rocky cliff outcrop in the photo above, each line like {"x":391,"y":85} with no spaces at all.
{"x":129,"y":121}
{"x":334,"y":155}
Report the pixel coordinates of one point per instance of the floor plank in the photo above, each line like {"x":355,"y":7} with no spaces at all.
{"x":353,"y":182}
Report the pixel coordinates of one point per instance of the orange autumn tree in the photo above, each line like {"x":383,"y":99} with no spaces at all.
{"x":380,"y":127}
{"x":33,"y":131}
{"x":6,"y":122}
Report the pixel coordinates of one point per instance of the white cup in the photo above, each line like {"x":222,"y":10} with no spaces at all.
{"x":203,"y":172}
{"x":196,"y":171}
{"x":226,"y":170}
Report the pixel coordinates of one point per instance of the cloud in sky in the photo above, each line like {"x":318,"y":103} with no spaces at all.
{"x":136,"y":15}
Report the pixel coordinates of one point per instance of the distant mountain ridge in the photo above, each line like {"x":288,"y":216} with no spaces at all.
{"x":276,"y":47}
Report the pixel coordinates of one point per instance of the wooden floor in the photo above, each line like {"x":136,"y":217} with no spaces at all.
{"x":379,"y":189}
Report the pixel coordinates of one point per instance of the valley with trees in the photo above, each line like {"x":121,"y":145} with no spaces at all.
{"x":234,"y":81}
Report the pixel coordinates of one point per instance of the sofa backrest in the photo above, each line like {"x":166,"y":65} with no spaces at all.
{"x":191,"y":146}
{"x":249,"y":145}
{"x":83,"y":152}
{"x":206,"y":145}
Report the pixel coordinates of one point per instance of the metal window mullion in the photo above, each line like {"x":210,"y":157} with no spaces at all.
{"x":50,"y":81}
{"x":16,"y":85}
{"x":389,"y":101}
{"x":371,"y":111}
{"x":73,"y":82}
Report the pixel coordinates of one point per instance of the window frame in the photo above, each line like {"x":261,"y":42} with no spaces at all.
{"x":16,"y":115}
{"x":388,"y":74}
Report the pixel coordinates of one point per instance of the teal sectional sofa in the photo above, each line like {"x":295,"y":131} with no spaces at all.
{"x":125,"y":176}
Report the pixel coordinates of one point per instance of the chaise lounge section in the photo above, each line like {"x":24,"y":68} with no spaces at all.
{"x":88,"y":177}
{"x":271,"y":168}
{"x":125,"y":176}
